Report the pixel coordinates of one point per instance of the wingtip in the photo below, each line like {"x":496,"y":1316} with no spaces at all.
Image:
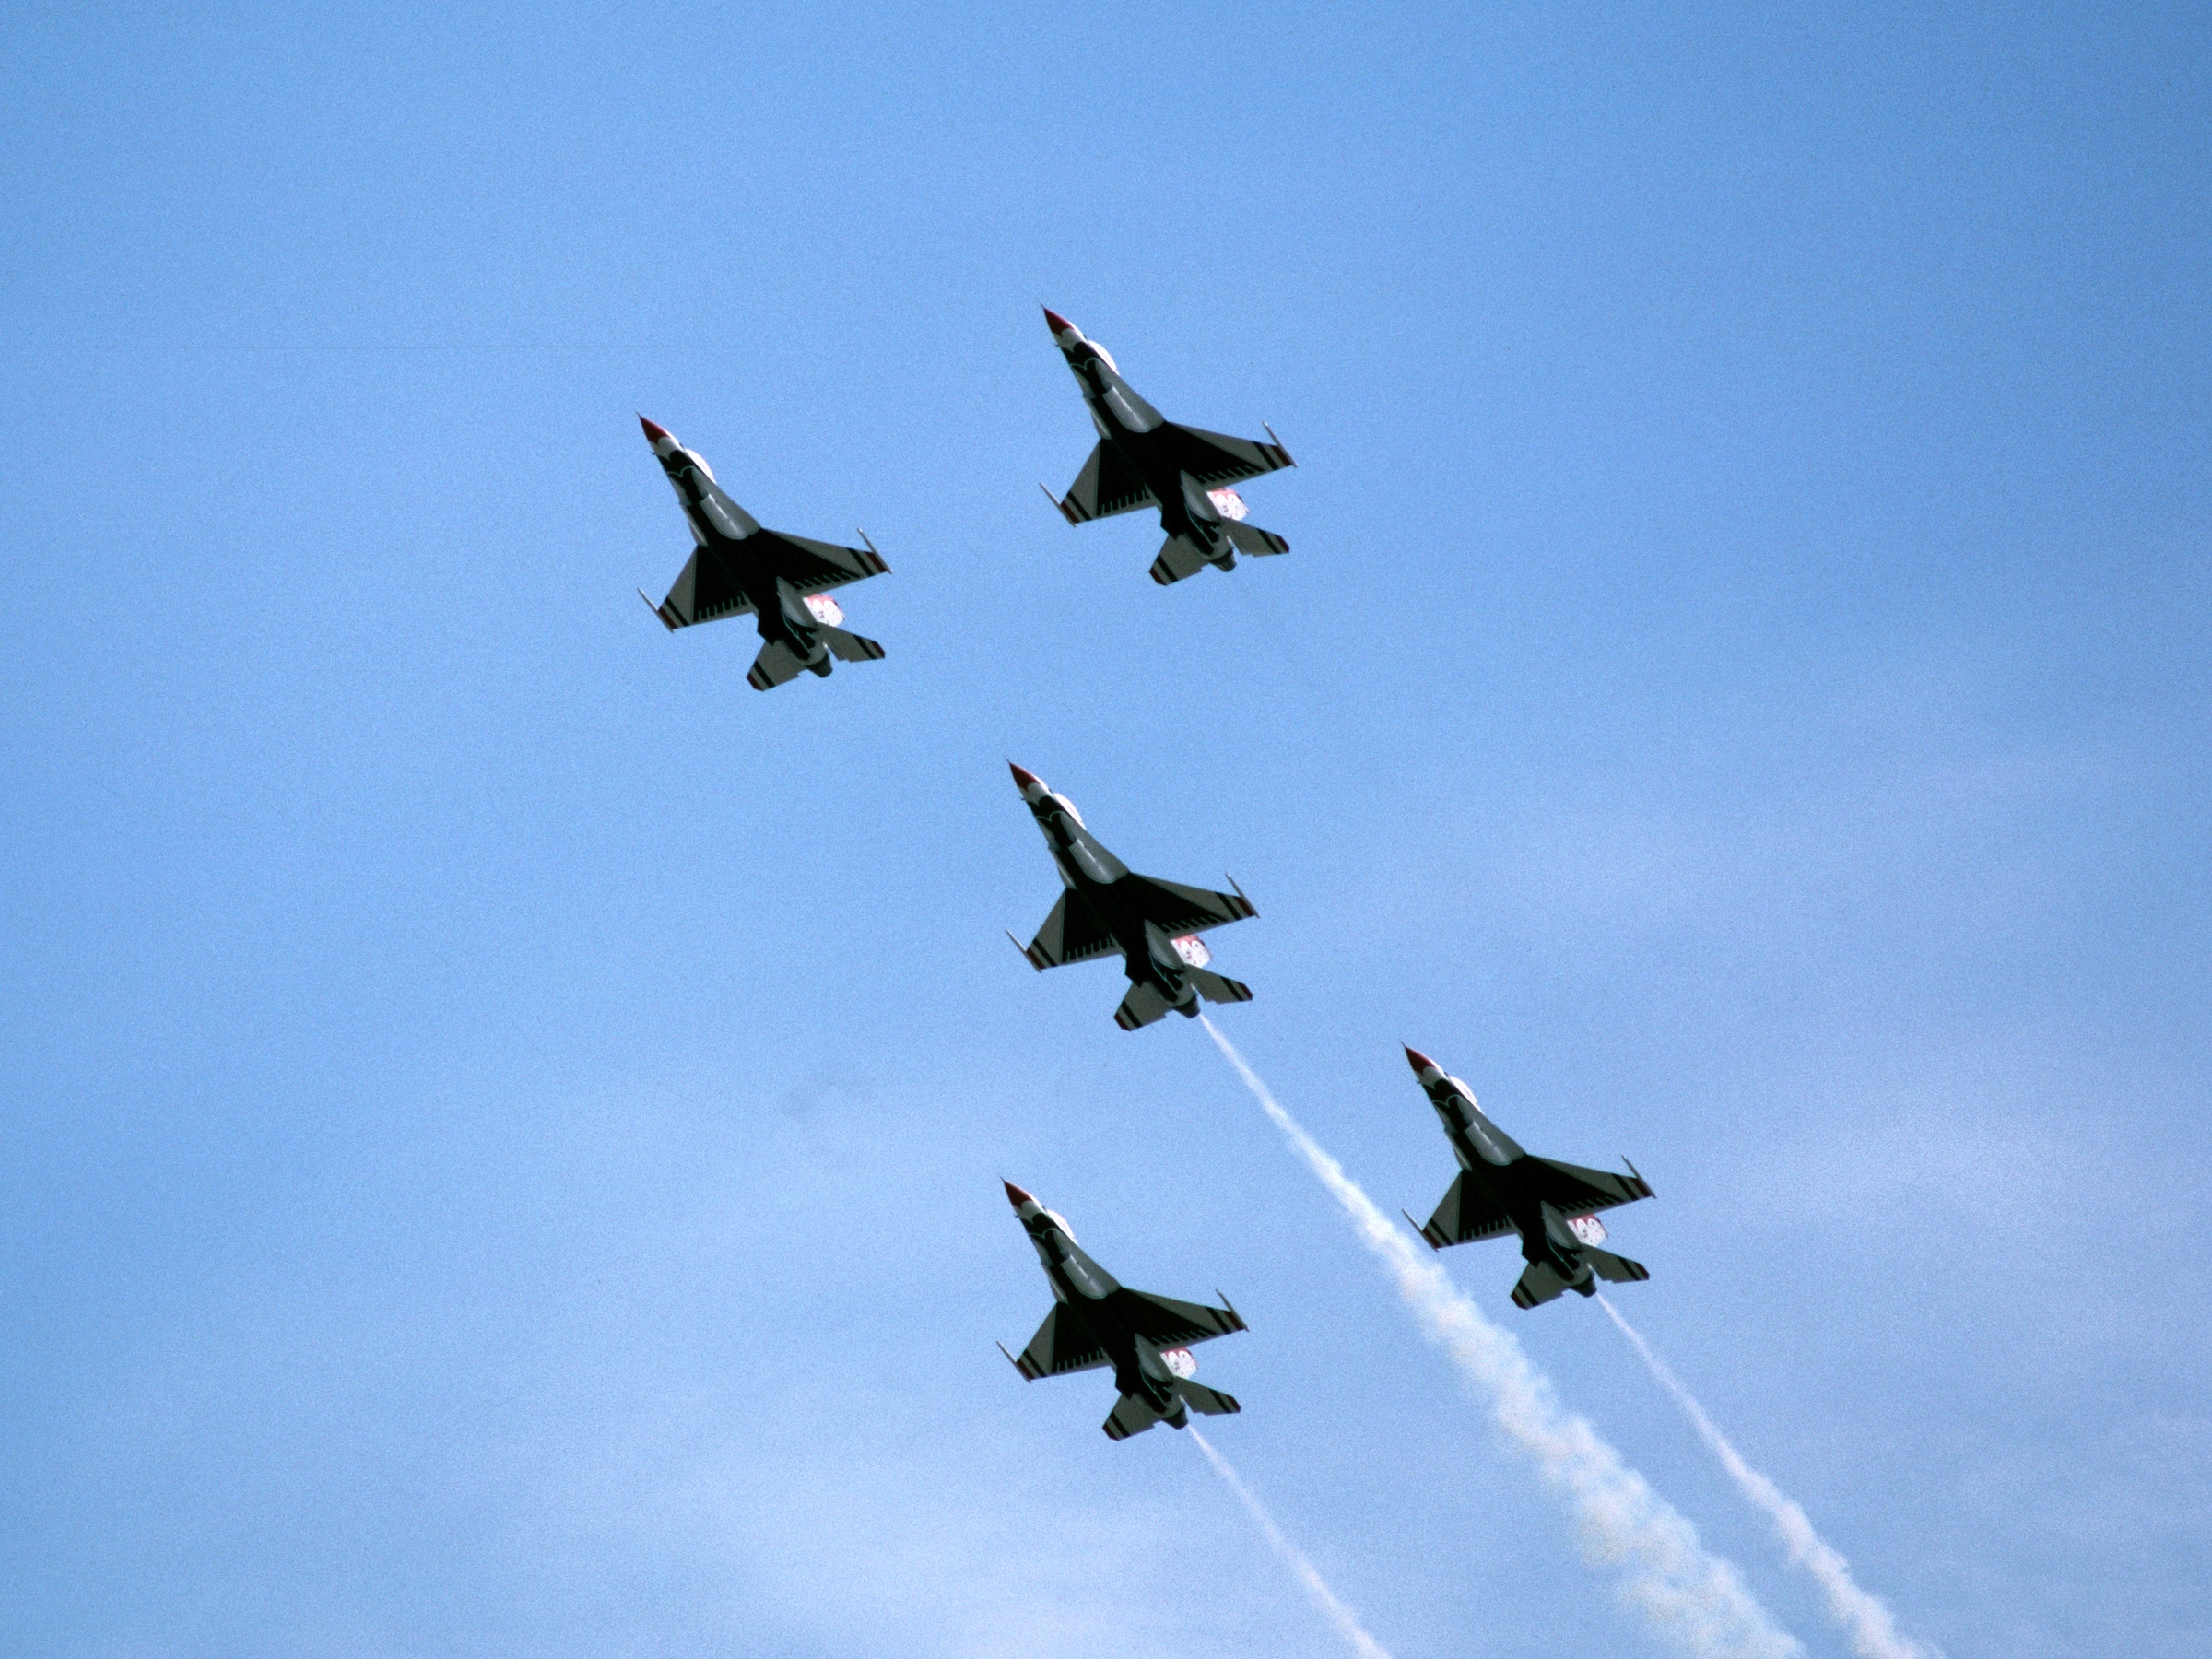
{"x":1421,"y":1229}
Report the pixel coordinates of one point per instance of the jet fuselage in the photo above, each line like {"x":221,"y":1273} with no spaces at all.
{"x":1126,"y":421}
{"x":1094,"y":878}
{"x":1495,"y":1162}
{"x":727,"y":535}
{"x":1087,"y":1294}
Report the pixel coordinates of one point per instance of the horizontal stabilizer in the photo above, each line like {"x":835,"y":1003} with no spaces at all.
{"x":776,"y":664}
{"x":1215,"y":988}
{"x":1617,"y":1270}
{"x":1538,"y":1284}
{"x":1132,"y":1414}
{"x":1209,"y":1401}
{"x":852,"y":647}
{"x":1180,"y":557}
{"x":1252,"y":539}
{"x":1141,"y":1007}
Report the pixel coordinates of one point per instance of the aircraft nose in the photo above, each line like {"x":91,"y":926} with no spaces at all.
{"x":654,"y":434}
{"x":1421,"y":1061}
{"x":1024,"y":779}
{"x":1015,"y":1196}
{"x":1058,"y":323}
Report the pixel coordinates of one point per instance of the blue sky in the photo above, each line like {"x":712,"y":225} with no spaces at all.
{"x":504,"y":1122}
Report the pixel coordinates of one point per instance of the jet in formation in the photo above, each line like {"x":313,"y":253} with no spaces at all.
{"x":1500,"y":1189}
{"x":1153,"y":923}
{"x":1095,"y":1322}
{"x":739,"y":567}
{"x":1145,"y":460}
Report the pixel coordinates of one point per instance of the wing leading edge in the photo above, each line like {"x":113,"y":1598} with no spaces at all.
{"x":1060,"y":1346}
{"x":1581,"y":1191}
{"x":1188,"y":910}
{"x":705,"y":592}
{"x":1465,"y":1215}
{"x":1164,"y":1321}
{"x":1215,"y":458}
{"x":1073,"y":932}
{"x":1107,"y":485}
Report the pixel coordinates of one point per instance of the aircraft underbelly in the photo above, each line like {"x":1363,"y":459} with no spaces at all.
{"x":1164,"y":481}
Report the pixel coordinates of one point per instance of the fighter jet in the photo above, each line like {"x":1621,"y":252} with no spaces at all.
{"x":1155,"y":924}
{"x":739,"y":567}
{"x":1501,"y":1189}
{"x":1095,"y":1322}
{"x":1146,"y":459}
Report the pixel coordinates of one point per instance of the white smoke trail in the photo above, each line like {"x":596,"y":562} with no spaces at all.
{"x":1873,"y":1633}
{"x":1691,"y":1598}
{"x":1346,"y":1622}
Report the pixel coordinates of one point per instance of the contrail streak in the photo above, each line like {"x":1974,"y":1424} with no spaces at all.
{"x":1873,"y":1633}
{"x":1346,"y":1622}
{"x":1691,"y":1598}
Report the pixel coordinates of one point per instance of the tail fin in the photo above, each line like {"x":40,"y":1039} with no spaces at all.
{"x":1617,"y":1270}
{"x":1215,"y":988}
{"x":1212,"y":1402}
{"x":1252,"y":539}
{"x":851,"y":647}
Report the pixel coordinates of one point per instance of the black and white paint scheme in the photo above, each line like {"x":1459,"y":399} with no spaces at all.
{"x":1500,"y":1189}
{"x":1154,"y":925}
{"x":739,"y":567}
{"x":1096,"y":1321}
{"x":1145,"y":460}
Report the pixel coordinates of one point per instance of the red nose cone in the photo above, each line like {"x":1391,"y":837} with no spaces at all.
{"x":1421,"y":1061}
{"x":1024,"y":779}
{"x":653,"y":434}
{"x":1058,"y":323}
{"x":1015,"y":1196}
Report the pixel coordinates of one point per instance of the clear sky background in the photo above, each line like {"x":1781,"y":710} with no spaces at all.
{"x":503,"y":1123}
